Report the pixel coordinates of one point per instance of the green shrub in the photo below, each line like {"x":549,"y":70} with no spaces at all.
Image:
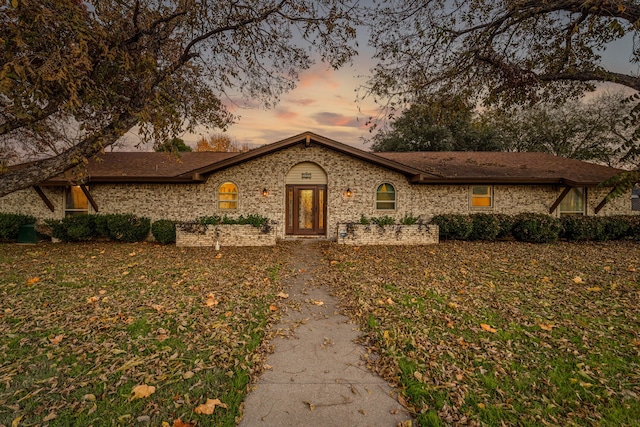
{"x":617,"y":227}
{"x":257,"y":221}
{"x":536,"y":228}
{"x":364,"y":220}
{"x":10,"y":225}
{"x":484,"y":227}
{"x":79,"y":227}
{"x":381,"y":221}
{"x":164,"y":231}
{"x":102,"y":224}
{"x":453,"y":226}
{"x":58,"y":230}
{"x":506,"y":225}
{"x":209,"y":220}
{"x":409,"y":219}
{"x":634,"y":229}
{"x":128,"y":227}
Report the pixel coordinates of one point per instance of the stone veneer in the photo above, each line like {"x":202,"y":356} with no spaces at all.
{"x":225,"y":235}
{"x":186,"y":202}
{"x":360,"y":234}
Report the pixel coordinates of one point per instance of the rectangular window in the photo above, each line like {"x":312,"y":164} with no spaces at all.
{"x":481,"y":196}
{"x":75,"y":201}
{"x":574,"y":202}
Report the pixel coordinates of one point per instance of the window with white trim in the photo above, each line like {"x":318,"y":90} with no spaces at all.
{"x":386,"y":197}
{"x":75,"y":201}
{"x":228,"y":196}
{"x":573,"y":203}
{"x":481,"y":196}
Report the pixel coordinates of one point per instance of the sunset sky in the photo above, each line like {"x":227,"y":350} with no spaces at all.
{"x":325,"y":102}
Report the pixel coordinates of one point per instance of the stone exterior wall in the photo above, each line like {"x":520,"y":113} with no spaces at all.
{"x":359,"y":234}
{"x":186,"y":202}
{"x":225,"y":235}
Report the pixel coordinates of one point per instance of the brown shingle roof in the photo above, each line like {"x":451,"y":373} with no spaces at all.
{"x":418,"y":167}
{"x":499,"y":167}
{"x":144,"y":166}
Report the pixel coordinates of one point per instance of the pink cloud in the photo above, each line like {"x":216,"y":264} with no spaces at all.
{"x":303,"y":102}
{"x":318,"y":77}
{"x":285,"y":114}
{"x":334,"y":119}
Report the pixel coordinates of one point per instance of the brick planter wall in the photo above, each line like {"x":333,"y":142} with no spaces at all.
{"x":225,"y":235}
{"x":359,"y":234}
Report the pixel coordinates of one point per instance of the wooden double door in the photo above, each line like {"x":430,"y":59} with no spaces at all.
{"x":306,"y":210}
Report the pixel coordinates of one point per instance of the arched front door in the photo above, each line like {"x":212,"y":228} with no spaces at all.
{"x":306,"y":204}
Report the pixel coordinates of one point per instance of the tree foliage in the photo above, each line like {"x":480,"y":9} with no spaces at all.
{"x":220,"y":142}
{"x":438,"y":125}
{"x":173,"y":145}
{"x":77,"y":75}
{"x":592,"y":131}
{"x":509,"y":51}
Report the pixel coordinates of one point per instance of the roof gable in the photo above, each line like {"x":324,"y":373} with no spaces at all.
{"x":418,"y":167}
{"x":309,"y":139}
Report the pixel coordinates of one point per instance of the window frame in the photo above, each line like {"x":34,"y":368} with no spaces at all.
{"x":68,"y":190}
{"x":220,"y":201}
{"x":394,"y":201}
{"x":583,"y":197}
{"x":489,"y":195}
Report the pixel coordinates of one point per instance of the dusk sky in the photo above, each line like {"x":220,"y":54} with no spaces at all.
{"x":325,"y":102}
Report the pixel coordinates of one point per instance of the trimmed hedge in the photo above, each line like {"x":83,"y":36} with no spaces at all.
{"x":164,"y":231}
{"x":123,"y":227}
{"x":10,"y":225}
{"x":127,"y":227}
{"x":453,"y":226}
{"x":484,"y":227}
{"x":536,"y":228}
{"x":506,"y":225}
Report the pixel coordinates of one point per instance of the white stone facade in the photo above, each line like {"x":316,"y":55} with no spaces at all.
{"x":186,"y":202}
{"x":224,"y":235}
{"x":360,"y":234}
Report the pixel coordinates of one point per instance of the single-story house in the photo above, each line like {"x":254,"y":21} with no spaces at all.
{"x":308,"y":184}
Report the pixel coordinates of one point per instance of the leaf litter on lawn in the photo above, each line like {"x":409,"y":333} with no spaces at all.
{"x":500,"y":333}
{"x":105,"y":318}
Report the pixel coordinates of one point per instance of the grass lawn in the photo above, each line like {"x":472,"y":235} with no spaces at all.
{"x":502,"y":333}
{"x":472,"y":333}
{"x":81,"y":325}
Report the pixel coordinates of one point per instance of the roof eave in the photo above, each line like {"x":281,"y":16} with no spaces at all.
{"x":505,"y":181}
{"x":125,"y":179}
{"x":307,"y":138}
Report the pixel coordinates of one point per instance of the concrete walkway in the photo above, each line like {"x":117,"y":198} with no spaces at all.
{"x":315,"y":376}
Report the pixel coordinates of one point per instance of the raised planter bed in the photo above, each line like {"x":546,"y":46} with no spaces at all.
{"x":225,"y":235}
{"x":360,"y":234}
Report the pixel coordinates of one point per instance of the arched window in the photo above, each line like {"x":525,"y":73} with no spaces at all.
{"x":386,"y":197}
{"x":228,"y":196}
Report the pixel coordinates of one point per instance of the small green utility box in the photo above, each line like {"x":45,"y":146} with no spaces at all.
{"x":27,"y":234}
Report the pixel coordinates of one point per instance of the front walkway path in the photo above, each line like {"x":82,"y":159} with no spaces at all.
{"x":315,"y":376}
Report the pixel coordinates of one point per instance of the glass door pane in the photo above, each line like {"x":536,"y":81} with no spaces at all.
{"x":305,"y":209}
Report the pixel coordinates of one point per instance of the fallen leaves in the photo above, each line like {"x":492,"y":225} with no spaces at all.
{"x":32,"y":281}
{"x":488,"y":328}
{"x":56,"y":340}
{"x":211,"y":300}
{"x":210,"y":406}
{"x":142,"y":391}
{"x":472,"y":314}
{"x":546,"y":326}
